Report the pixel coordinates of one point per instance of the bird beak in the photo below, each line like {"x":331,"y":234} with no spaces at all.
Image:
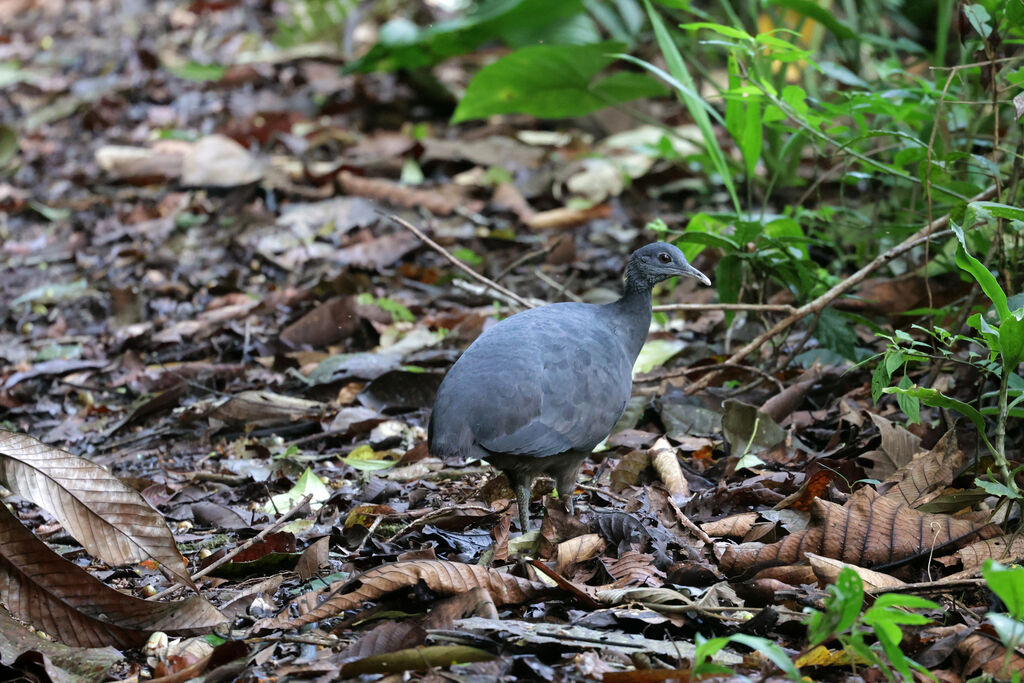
{"x":690,"y":271}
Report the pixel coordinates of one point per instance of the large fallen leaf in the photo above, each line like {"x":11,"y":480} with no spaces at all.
{"x":112,"y":521}
{"x":56,"y":596}
{"x":84,"y":664}
{"x":445,"y":578}
{"x":869,"y":531}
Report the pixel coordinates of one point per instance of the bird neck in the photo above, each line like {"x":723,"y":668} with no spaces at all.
{"x":634,"y":311}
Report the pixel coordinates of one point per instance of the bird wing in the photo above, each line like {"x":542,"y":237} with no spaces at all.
{"x":546,"y":386}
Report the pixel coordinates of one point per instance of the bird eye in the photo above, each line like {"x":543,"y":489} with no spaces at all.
{"x":664,"y":257}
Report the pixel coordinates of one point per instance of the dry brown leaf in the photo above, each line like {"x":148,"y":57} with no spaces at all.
{"x":56,"y":596}
{"x":635,"y":569}
{"x":575,"y":550}
{"x":1007,"y":548}
{"x":265,"y":408}
{"x":627,"y":470}
{"x":72,"y":664}
{"x":986,"y":653}
{"x":870,"y":530}
{"x":924,"y":477}
{"x":734,"y":526}
{"x":329,"y":323}
{"x":446,"y":578}
{"x":112,"y":521}
{"x":813,"y":487}
{"x":313,"y":558}
{"x":898,"y":447}
{"x":827,"y":570}
{"x":666,"y":464}
{"x":389,"y":636}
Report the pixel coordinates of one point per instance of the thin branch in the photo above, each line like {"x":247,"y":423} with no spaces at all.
{"x":780,"y":308}
{"x":815,"y":306}
{"x":456,"y":262}
{"x":281,"y":521}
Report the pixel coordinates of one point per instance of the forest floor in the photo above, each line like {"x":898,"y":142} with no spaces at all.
{"x":204,"y":295}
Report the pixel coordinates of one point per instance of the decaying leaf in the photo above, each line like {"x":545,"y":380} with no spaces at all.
{"x":870,"y":530}
{"x":446,"y":578}
{"x":112,"y":521}
{"x":58,"y":597}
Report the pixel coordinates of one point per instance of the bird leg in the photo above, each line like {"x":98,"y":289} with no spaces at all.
{"x":522,"y":484}
{"x":565,"y":480}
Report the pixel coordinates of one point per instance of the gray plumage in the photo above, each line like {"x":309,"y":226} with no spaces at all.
{"x":538,"y":391}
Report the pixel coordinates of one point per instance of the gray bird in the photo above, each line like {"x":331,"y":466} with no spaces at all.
{"x":535,"y":394}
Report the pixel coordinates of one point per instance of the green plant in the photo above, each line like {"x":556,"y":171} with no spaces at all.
{"x":844,"y":620}
{"x":1000,"y":334}
{"x":313,"y":20}
{"x":1008,"y":584}
{"x":704,"y":666}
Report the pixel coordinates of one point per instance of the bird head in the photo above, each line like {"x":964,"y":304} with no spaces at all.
{"x":659,"y":261}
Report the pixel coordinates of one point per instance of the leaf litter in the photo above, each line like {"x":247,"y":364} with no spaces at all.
{"x":217,"y":350}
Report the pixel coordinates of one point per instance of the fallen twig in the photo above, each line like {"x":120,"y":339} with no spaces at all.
{"x":456,"y":262}
{"x":281,"y":521}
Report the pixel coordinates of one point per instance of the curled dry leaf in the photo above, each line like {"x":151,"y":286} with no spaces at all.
{"x":870,"y":530}
{"x":445,"y":578}
{"x":54,"y":595}
{"x":575,"y":550}
{"x":733,"y":526}
{"x":113,"y":522}
{"x":666,"y":464}
{"x":564,"y":218}
{"x":827,"y":570}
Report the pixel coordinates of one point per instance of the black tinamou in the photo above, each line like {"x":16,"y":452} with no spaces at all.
{"x":537,"y":392}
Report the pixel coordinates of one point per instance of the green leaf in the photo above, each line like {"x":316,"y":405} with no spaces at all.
{"x":879,"y":381}
{"x":365,"y":458}
{"x":8,"y":144}
{"x":308,"y":483}
{"x":727,"y":31}
{"x":995,"y":488}
{"x":1006,"y":211}
{"x":812,"y":10}
{"x":750,"y":142}
{"x":1008,"y":584}
{"x":515,"y":22}
{"x":551,"y":81}
{"x":769,"y":649}
{"x":836,"y":333}
{"x":694,"y":103}
{"x":842,"y":607}
{"x":194,"y":71}
{"x":908,"y":403}
{"x":931,"y":397}
{"x":1009,"y":630}
{"x":981,"y":274}
{"x":655,"y":353}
